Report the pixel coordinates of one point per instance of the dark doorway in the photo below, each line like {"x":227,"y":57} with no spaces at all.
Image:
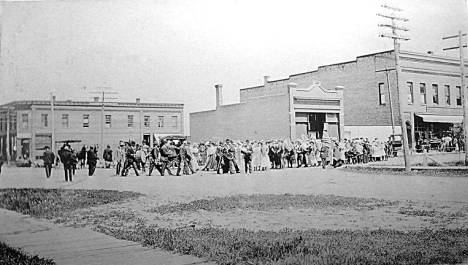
{"x":316,"y":121}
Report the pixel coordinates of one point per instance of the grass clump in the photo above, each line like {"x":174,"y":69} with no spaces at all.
{"x":266,"y":202}
{"x":241,"y":246}
{"x":10,"y":255}
{"x":53,"y":203}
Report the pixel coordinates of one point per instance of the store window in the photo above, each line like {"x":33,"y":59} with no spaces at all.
{"x":147,"y":121}
{"x":45,"y":120}
{"x":160,"y":121}
{"x":410,"y":93}
{"x":175,"y":122}
{"x":435,"y":94}
{"x":25,"y":121}
{"x":422,"y":93}
{"x":108,"y":121}
{"x":86,"y":120}
{"x":64,"y":120}
{"x":130,"y":121}
{"x":381,"y":94}
{"x":447,"y":95}
{"x":459,"y":99}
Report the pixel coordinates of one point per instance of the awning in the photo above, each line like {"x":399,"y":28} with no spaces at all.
{"x":440,"y":118}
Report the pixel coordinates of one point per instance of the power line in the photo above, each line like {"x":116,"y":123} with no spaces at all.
{"x":396,"y":45}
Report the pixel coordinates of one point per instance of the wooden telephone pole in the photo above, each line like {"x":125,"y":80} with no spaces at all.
{"x":464,"y":92}
{"x":396,"y":45}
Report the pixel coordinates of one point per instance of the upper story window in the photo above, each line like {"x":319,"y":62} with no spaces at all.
{"x":1,"y":123}
{"x":175,"y":121}
{"x":435,"y":94}
{"x":64,"y":120}
{"x":459,"y":99}
{"x":381,"y":94}
{"x":86,"y":120}
{"x":130,"y":121}
{"x":147,"y":121}
{"x":422,"y":93}
{"x":108,"y":121}
{"x":447,"y":95}
{"x":160,"y":121}
{"x":410,"y":93}
{"x":45,"y":120}
{"x":13,"y":122}
{"x":25,"y":121}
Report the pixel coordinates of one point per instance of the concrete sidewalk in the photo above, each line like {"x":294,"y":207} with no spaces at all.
{"x":79,"y":245}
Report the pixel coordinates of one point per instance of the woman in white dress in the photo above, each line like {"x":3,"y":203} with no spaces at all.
{"x":265,"y":158}
{"x":256,"y":157}
{"x":312,"y":154}
{"x":195,"y":157}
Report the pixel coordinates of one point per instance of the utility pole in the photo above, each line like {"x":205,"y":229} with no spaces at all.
{"x":104,"y":93}
{"x":390,"y":102}
{"x":52,"y":99}
{"x":396,"y":44}
{"x":8,"y":157}
{"x":464,"y":92}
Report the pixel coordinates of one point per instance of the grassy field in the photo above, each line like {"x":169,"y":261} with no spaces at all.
{"x":14,"y":256}
{"x":130,"y":216}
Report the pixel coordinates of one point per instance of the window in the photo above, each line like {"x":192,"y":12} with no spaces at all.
{"x":44,"y":120}
{"x":435,"y":94}
{"x":1,"y":123}
{"x":147,"y":121}
{"x":381,"y":94}
{"x":160,"y":121}
{"x":86,"y":120}
{"x":174,"y":121}
{"x":130,"y":121}
{"x":64,"y":120}
{"x":108,"y":121}
{"x":447,"y":95}
{"x":459,"y":102}
{"x":24,"y":123}
{"x":13,"y":122}
{"x":422,"y":93}
{"x":410,"y":93}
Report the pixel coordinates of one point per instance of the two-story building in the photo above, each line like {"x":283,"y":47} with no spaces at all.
{"x":33,"y":124}
{"x":431,"y":85}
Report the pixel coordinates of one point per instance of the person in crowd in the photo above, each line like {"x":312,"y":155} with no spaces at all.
{"x":211,"y":162}
{"x":154,"y":159}
{"x":289,"y":153}
{"x":107,"y":156}
{"x":82,"y":157}
{"x":324,"y":154}
{"x":194,"y":149}
{"x":265,"y":159}
{"x":185,"y":159}
{"x":247,"y":151}
{"x":65,"y":157}
{"x":130,"y":160}
{"x":301,"y":153}
{"x":74,"y":161}
{"x":256,"y":156}
{"x":119,"y":158}
{"x":49,"y":158}
{"x":92,"y":161}
{"x":231,"y":157}
{"x":1,"y":161}
{"x":312,"y":152}
{"x":166,"y":155}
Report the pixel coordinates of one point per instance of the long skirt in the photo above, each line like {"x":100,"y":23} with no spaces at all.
{"x":211,"y":163}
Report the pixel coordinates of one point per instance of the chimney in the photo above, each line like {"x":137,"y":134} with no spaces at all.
{"x":138,"y":100}
{"x":96,"y":99}
{"x":219,"y":95}
{"x":266,"y":78}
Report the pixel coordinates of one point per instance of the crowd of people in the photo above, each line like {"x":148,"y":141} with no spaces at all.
{"x":176,"y":157}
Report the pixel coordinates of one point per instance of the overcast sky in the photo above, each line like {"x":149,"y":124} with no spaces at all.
{"x":177,"y":50}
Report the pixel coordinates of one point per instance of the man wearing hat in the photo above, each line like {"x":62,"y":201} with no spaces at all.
{"x":49,"y":159}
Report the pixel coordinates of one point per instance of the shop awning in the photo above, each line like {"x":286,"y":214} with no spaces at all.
{"x":440,"y":118}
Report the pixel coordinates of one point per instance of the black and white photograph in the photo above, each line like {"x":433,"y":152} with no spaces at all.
{"x":189,"y":132}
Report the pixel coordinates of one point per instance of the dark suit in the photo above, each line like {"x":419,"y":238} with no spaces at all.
{"x":49,"y":159}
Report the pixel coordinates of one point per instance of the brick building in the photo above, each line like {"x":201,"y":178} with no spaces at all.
{"x":431,"y":85}
{"x":30,"y":124}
